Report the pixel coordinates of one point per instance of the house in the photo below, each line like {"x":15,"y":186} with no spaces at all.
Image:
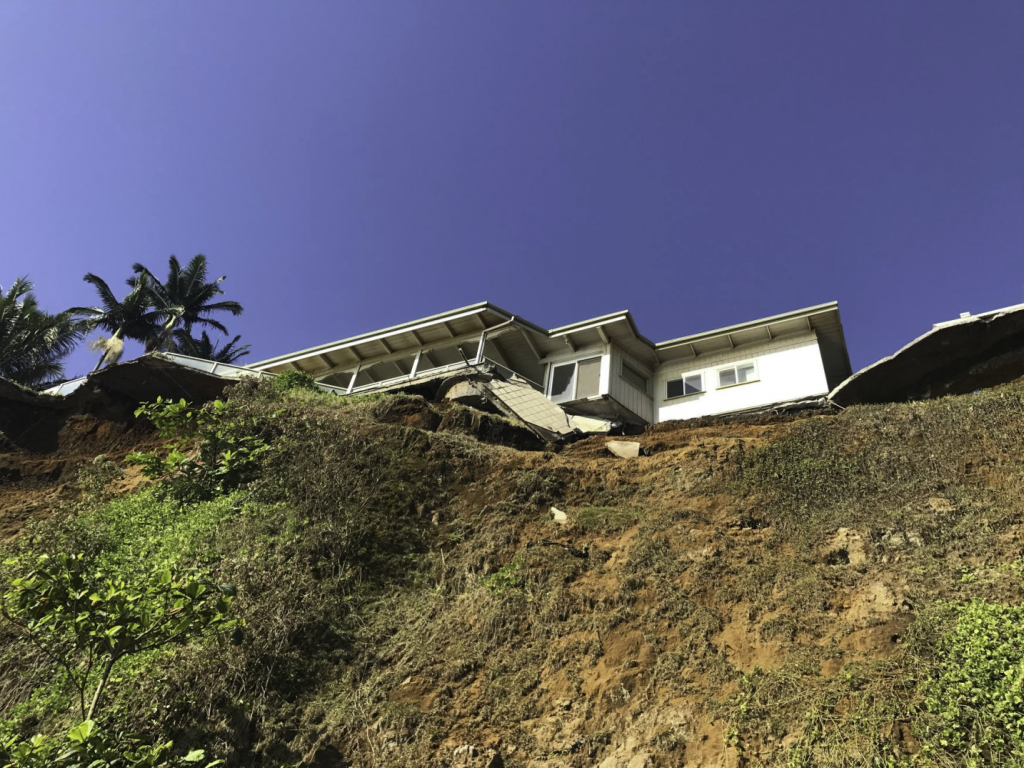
{"x":602,"y":367}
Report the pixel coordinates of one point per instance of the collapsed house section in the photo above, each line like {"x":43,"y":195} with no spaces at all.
{"x":953,"y":358}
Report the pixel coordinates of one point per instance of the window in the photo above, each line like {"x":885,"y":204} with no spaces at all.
{"x":737,"y":374}
{"x":691,"y":384}
{"x":634,"y":377}
{"x":575,"y":380}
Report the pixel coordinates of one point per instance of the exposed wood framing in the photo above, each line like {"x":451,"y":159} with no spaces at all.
{"x":570,"y":343}
{"x":451,"y":333}
{"x":499,"y":356}
{"x":603,"y":335}
{"x":387,"y":347}
{"x":531,"y":343}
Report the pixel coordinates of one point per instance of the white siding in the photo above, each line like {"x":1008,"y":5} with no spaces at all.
{"x":787,"y":369}
{"x":640,"y":403}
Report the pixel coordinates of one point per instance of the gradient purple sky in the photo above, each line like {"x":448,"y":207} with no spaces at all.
{"x":352,"y":165}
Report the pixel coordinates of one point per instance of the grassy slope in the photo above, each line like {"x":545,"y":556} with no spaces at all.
{"x":765,"y":594}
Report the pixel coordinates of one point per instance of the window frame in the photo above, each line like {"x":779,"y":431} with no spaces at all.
{"x":682,"y":378}
{"x":575,"y":378}
{"x":647,"y":379}
{"x":735,"y":369}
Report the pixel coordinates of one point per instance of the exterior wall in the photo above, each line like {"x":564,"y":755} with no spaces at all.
{"x":787,"y":369}
{"x":640,"y":403}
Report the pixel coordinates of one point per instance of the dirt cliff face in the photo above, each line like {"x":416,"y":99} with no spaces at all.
{"x":747,"y":594}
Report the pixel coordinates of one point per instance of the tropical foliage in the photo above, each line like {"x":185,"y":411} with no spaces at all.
{"x":206,"y":349}
{"x":132,"y":317}
{"x":33,"y":342}
{"x":161,"y":314}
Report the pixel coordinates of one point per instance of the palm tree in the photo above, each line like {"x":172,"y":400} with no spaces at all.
{"x":33,"y":342}
{"x":133,"y":317}
{"x":186,"y":297}
{"x":204,"y":348}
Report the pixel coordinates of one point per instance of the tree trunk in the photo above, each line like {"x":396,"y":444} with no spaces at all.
{"x":104,"y":676}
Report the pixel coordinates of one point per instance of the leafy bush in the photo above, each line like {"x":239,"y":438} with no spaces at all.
{"x":976,"y":689}
{"x":289,"y":380}
{"x":230,"y":447}
{"x":86,"y":622}
{"x":87,"y":745}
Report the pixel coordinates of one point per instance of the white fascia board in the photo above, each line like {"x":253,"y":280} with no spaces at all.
{"x":415,"y":325}
{"x":808,"y":312}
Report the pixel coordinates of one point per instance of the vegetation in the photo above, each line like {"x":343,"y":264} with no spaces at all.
{"x":132,"y":317}
{"x":33,"y":342}
{"x":184,"y":299}
{"x":834,"y":591}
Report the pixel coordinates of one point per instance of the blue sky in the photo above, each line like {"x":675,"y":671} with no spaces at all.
{"x":352,"y":165}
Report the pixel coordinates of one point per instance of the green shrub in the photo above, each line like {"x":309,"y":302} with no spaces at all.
{"x":289,"y":380}
{"x":211,"y":450}
{"x":976,"y":689}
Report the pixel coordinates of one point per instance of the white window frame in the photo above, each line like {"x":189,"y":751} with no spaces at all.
{"x":683,"y":377}
{"x":742,"y":364}
{"x":622,"y":367}
{"x":575,"y":378}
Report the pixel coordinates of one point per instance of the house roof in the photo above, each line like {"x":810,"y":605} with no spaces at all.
{"x":953,"y":358}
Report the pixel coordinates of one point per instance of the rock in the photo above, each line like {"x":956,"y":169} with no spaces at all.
{"x":559,"y":516}
{"x":466,"y":750}
{"x":624,"y":449}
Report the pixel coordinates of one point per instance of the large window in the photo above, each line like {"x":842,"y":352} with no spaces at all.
{"x":737,"y":374}
{"x":634,"y":377}
{"x":575,"y":380}
{"x":690,"y":384}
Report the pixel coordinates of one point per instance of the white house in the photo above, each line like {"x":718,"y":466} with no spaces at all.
{"x":600,"y":367}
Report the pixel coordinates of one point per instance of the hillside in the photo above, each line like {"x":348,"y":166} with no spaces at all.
{"x":835,"y":590}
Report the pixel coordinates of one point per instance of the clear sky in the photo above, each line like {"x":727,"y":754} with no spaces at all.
{"x":351,"y":165}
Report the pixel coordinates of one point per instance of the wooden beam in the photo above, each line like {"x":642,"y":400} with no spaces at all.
{"x":570,"y":343}
{"x":325,"y":360}
{"x":531,"y":343}
{"x":480,"y":321}
{"x":693,"y":349}
{"x":387,"y":347}
{"x":498,"y":354}
{"x":451,"y":333}
{"x":768,"y":329}
{"x":732,"y":344}
{"x":419,"y":339}
{"x":603,"y":335}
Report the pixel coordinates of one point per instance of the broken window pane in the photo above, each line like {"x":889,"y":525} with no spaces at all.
{"x":588,"y":378}
{"x":562,"y":381}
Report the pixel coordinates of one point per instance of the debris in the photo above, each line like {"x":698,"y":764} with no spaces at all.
{"x":559,"y":516}
{"x":625,"y":449}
